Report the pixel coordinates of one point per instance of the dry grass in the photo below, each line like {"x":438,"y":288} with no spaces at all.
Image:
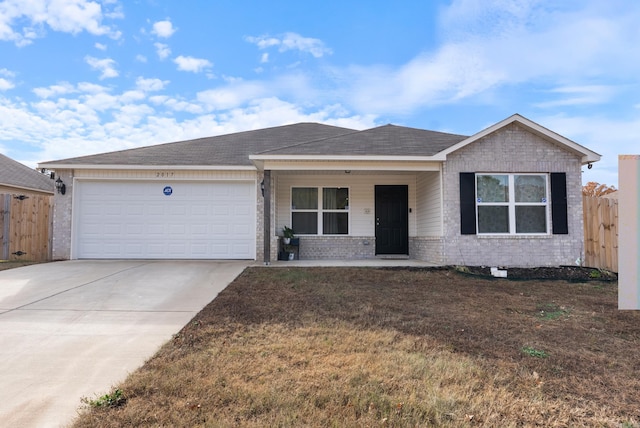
{"x":10,"y":264}
{"x":378,"y":347}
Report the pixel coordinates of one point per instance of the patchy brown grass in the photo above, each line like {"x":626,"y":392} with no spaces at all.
{"x":392,"y":347}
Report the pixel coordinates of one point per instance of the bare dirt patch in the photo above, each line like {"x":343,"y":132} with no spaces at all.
{"x":393,"y":347}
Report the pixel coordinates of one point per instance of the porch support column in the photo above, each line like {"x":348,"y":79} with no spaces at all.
{"x":266,"y":182}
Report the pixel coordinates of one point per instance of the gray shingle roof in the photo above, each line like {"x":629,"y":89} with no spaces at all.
{"x":230,"y":149}
{"x":387,"y":140}
{"x":15,"y":174}
{"x":298,"y":139}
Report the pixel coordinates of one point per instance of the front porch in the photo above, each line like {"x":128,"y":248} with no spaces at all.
{"x":338,"y":215}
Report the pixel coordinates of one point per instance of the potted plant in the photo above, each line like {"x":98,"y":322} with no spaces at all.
{"x":287,"y":234}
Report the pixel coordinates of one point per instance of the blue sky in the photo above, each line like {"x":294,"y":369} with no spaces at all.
{"x":88,"y":76}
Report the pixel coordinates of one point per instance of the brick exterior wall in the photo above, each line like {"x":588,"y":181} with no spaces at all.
{"x":512,"y":150}
{"x":337,"y":247}
{"x":61,"y":245}
{"x":259,"y":219}
{"x":429,"y":249}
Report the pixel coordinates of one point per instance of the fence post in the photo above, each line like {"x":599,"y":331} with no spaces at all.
{"x":629,"y":275}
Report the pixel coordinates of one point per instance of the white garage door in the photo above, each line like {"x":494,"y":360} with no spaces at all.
{"x":168,"y":220}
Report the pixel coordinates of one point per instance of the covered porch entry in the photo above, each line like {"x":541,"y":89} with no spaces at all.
{"x":347,"y":212}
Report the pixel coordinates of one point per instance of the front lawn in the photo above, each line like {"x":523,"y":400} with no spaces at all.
{"x":390,"y":347}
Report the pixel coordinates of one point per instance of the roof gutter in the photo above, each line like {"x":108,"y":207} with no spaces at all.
{"x":30,"y":189}
{"x":56,"y":166}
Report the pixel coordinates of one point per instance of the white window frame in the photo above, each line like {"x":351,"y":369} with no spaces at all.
{"x":512,"y":204}
{"x":320,"y":210}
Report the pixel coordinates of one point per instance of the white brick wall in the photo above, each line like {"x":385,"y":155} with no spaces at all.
{"x":337,"y":247}
{"x":61,"y":246}
{"x":430,"y":249}
{"x":512,"y":150}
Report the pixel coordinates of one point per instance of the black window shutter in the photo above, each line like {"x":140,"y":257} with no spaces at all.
{"x":467,"y":203}
{"x":559,"y":203}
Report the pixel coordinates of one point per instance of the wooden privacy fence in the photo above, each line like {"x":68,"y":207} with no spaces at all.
{"x":25,"y":227}
{"x":600,"y":232}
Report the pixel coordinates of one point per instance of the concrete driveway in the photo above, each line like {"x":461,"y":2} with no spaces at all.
{"x":74,"y":329}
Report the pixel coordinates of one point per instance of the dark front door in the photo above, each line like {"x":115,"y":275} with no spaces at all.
{"x":392,"y":220}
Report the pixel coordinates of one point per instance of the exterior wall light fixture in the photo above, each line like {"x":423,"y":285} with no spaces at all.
{"x":61,"y":187}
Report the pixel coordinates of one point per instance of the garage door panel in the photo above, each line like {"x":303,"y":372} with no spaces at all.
{"x":135,"y":209}
{"x":206,"y":220}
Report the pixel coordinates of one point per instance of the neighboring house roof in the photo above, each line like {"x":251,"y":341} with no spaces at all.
{"x":304,"y":141}
{"x":15,"y":174}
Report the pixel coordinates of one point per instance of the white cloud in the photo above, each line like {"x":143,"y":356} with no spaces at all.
{"x":579,"y":96}
{"x":163,"y":29}
{"x":452,"y":74}
{"x":177,"y":104}
{"x":101,"y":101}
{"x":149,"y":85}
{"x":162,"y":50}
{"x":5,"y":84}
{"x":54,"y":90}
{"x":91,"y":88}
{"x":292,"y":41}
{"x":263,"y":42}
{"x":105,"y":66}
{"x":67,"y":16}
{"x":132,"y":114}
{"x":194,"y":65}
{"x":141,"y":58}
{"x":231,"y":96}
{"x":497,"y":45}
{"x":264,"y":58}
{"x":100,"y":46}
{"x":92,"y":122}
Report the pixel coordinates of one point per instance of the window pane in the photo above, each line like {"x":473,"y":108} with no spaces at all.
{"x":304,"y":223}
{"x":493,"y":219}
{"x":531,"y":220}
{"x":493,"y":188}
{"x":304,"y":198}
{"x":335,"y":198}
{"x":335,"y":223}
{"x":530,"y":188}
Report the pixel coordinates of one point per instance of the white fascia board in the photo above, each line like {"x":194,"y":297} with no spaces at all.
{"x":588,"y":156}
{"x":54,"y":166}
{"x":29,"y":189}
{"x":341,"y":158}
{"x":377,"y":165}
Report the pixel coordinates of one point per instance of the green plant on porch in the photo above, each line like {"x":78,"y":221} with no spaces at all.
{"x":287,"y":232}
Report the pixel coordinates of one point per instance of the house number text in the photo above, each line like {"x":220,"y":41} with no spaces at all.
{"x":165,"y":174}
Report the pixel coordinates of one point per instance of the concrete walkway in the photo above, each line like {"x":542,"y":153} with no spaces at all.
{"x":353,"y":263}
{"x":74,"y":329}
